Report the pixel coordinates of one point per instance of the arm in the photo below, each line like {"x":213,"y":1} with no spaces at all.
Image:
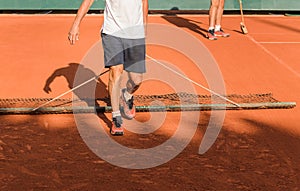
{"x":74,"y":31}
{"x":56,"y":73}
{"x":145,"y":12}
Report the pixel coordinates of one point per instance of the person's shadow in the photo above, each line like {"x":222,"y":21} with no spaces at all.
{"x":76,"y":74}
{"x":185,"y":23}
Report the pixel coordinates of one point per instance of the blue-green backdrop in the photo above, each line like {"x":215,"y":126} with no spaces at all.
{"x":290,"y":5}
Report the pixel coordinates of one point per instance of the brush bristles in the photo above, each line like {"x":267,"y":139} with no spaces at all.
{"x":243,"y":28}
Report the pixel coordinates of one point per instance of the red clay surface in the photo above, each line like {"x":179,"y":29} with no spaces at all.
{"x":255,"y":150}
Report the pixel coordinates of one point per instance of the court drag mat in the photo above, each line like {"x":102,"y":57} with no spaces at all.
{"x":144,"y":103}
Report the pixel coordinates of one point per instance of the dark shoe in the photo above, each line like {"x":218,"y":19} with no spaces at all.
{"x":116,"y":128}
{"x":211,"y":35}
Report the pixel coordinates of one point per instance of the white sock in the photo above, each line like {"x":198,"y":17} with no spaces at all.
{"x":218,"y":27}
{"x":116,"y":113}
{"x":211,"y":28}
{"x":127,"y":95}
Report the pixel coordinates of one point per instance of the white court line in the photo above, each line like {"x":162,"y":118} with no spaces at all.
{"x":279,"y":42}
{"x":275,"y":57}
{"x":268,"y":33}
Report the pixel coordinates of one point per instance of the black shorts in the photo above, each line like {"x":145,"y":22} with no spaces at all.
{"x":129,"y":52}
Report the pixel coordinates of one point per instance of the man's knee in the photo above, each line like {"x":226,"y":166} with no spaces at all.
{"x":115,"y":71}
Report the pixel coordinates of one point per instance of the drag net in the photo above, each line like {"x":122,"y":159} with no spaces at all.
{"x":144,"y":103}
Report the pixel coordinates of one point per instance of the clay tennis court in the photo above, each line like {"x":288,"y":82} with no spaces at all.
{"x":255,"y":149}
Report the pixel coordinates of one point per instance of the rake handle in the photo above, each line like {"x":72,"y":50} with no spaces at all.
{"x":241,"y":9}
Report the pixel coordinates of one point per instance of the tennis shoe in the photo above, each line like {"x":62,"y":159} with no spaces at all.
{"x":221,"y":33}
{"x":116,"y":128}
{"x":211,"y":35}
{"x":127,"y":107}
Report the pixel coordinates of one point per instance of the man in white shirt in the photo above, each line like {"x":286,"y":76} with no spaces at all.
{"x":123,"y":39}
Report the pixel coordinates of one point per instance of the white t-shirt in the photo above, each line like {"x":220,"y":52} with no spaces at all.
{"x":124,"y":18}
